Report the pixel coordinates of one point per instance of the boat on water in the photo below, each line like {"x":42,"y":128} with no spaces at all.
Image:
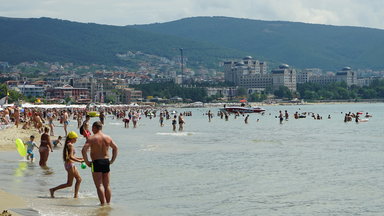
{"x":243,"y":109}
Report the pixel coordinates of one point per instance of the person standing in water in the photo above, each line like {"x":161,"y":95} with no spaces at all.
{"x":181,"y":122}
{"x":84,"y":128}
{"x":174,"y":122}
{"x":45,"y":147}
{"x":281,"y":118}
{"x":161,"y":119}
{"x":30,"y":146}
{"x":99,"y":143}
{"x":65,"y":121}
{"x":69,"y":165}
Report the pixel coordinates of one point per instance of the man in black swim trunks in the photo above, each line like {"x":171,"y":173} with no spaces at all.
{"x":99,"y":144}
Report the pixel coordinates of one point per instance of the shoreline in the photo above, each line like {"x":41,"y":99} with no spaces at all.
{"x":8,"y":201}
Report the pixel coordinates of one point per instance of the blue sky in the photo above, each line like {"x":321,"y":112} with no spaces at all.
{"x":369,"y":13}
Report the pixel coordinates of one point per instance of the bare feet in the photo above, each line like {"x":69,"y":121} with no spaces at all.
{"x":52,"y":192}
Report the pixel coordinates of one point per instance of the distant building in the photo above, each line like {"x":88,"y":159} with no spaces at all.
{"x":130,"y":95}
{"x":304,"y":75}
{"x":225,"y":92}
{"x":68,"y":91}
{"x":345,"y":75}
{"x":284,"y":76}
{"x":31,"y":90}
{"x":89,"y":83}
{"x":323,"y":79}
{"x":176,"y":99}
{"x":247,"y":73}
{"x":252,"y":75}
{"x":366,"y":81}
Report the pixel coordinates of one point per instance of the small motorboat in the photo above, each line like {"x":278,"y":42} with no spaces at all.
{"x":243,"y":109}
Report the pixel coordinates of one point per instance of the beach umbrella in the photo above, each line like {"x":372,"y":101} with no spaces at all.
{"x":243,"y":101}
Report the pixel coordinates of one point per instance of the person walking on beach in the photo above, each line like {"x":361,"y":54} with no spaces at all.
{"x":69,"y":165}
{"x":45,"y":147}
{"x":99,"y":143}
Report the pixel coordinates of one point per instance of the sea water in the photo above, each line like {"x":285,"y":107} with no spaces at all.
{"x":300,"y":167}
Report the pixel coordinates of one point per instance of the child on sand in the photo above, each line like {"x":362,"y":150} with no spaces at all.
{"x":30,"y":146}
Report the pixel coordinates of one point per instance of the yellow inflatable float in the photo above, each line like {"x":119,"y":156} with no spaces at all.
{"x":21,"y":148}
{"x":93,"y":114}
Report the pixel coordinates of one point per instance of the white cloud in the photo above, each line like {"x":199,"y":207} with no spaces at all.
{"x":123,"y":12}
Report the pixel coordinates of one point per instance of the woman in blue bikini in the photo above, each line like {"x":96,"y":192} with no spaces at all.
{"x":69,"y":165}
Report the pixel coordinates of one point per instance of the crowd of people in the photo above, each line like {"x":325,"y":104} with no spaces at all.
{"x":46,"y":121}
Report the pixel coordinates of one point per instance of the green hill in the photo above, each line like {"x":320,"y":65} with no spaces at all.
{"x":206,"y":41}
{"x":46,"y":39}
{"x":298,"y":44}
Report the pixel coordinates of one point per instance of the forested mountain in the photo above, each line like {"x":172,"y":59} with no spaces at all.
{"x":46,"y":39}
{"x":206,"y":41}
{"x":298,"y":44}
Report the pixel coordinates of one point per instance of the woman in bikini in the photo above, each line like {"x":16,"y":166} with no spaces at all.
{"x":69,"y":165}
{"x":45,"y":147}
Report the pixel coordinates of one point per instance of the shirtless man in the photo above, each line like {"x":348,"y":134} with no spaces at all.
{"x":99,"y":144}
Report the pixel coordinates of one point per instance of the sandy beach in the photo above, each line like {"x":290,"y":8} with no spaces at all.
{"x":9,"y":135}
{"x":9,"y":201}
{"x":7,"y":143}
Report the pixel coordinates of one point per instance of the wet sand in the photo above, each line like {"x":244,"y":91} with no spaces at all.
{"x":9,"y":201}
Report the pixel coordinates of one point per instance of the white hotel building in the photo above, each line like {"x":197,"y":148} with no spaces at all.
{"x":252,"y":75}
